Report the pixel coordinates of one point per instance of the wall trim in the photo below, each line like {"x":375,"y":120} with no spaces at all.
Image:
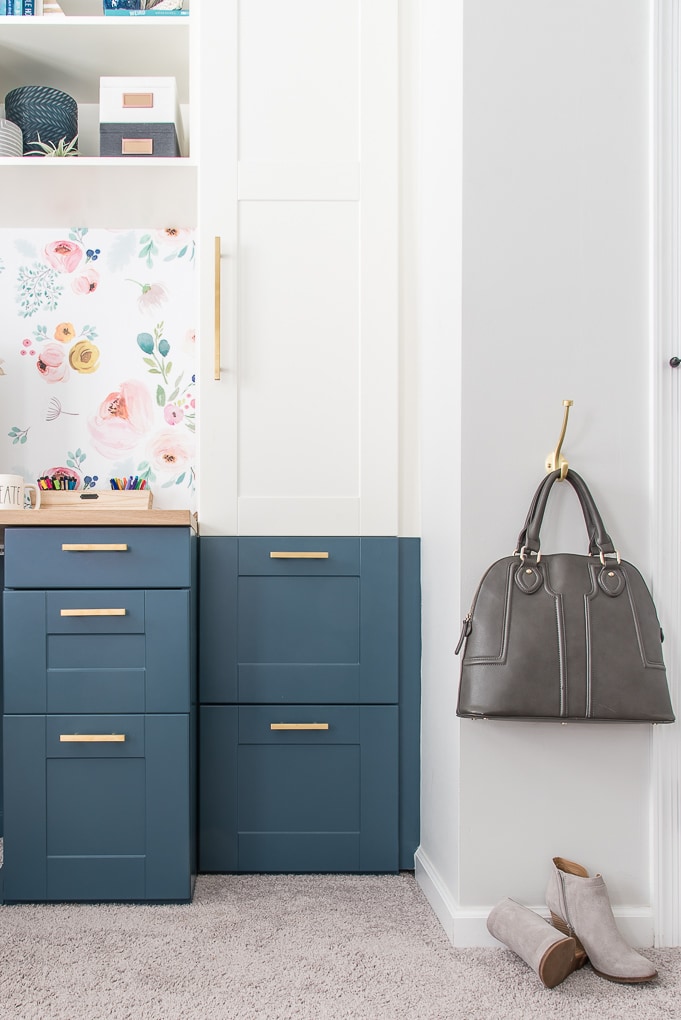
{"x":466,"y":927}
{"x":665,"y":262}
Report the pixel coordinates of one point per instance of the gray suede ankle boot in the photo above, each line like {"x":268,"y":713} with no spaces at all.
{"x":550,"y":955}
{"x":580,"y":907}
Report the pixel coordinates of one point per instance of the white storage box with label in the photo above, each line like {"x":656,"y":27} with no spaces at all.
{"x":140,"y":101}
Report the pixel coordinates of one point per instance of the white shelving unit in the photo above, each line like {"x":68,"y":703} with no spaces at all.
{"x":71,"y":53}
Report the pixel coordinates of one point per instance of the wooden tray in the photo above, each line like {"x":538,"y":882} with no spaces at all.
{"x":97,"y":499}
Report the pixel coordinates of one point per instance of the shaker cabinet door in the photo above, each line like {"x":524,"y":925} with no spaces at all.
{"x":298,"y":232}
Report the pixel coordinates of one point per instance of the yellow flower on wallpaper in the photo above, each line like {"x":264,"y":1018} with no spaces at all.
{"x":66,"y":332}
{"x":84,"y":357}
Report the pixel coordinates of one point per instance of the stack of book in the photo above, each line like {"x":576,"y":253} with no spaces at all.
{"x":136,"y":8}
{"x":21,"y":8}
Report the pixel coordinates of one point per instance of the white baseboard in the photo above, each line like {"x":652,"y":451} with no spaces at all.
{"x":466,"y":927}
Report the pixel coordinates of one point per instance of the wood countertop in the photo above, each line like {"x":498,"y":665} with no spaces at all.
{"x":84,"y":517}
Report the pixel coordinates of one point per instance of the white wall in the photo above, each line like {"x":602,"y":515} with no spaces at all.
{"x":553,"y":304}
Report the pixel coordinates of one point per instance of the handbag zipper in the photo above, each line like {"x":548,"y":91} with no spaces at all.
{"x":466,"y":628}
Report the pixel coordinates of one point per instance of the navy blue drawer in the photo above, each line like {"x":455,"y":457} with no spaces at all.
{"x":136,"y":662}
{"x":95,"y":557}
{"x":107,"y":821}
{"x":290,"y":799}
{"x":299,"y":630}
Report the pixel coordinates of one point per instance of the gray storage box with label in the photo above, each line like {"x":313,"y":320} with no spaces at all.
{"x":138,"y":140}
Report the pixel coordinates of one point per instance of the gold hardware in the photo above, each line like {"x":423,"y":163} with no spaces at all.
{"x":218,"y":299}
{"x":92,"y":612}
{"x":616,"y":555}
{"x":555,"y":461}
{"x":299,"y":726}
{"x":92,"y":738}
{"x":110,"y":547}
{"x":137,"y":146}
{"x":138,"y":100}
{"x":299,"y":556}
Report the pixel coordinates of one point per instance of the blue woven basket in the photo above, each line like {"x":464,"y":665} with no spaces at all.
{"x":42,"y":111}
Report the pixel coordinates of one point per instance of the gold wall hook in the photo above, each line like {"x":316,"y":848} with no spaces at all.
{"x":555,"y":460}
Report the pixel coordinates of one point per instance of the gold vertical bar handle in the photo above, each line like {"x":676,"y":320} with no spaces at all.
{"x":94,"y":547}
{"x":299,"y":726}
{"x":280,"y":555}
{"x":92,"y":612}
{"x":218,"y":300}
{"x":92,"y":738}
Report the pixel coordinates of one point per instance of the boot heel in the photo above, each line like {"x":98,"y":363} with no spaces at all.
{"x":580,"y":952}
{"x":551,"y":956}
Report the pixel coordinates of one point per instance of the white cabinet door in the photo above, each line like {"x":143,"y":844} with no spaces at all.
{"x":297,"y":142}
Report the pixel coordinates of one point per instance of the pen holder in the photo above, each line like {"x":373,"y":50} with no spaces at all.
{"x":97,"y":499}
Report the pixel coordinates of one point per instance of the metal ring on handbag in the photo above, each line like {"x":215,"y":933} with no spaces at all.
{"x":523,"y":554}
{"x":614,"y":554}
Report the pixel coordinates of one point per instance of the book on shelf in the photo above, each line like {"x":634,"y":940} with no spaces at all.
{"x":21,"y":8}
{"x":145,"y":8}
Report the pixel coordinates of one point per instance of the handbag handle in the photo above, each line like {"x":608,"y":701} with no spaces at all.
{"x":547,"y":482}
{"x":599,"y":539}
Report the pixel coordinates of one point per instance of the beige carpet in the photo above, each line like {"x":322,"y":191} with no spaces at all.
{"x":288,"y":947}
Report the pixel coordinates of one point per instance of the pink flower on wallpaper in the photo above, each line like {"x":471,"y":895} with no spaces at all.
{"x":173,"y":414}
{"x":122,"y":419}
{"x":173,"y":235}
{"x":52,"y":363}
{"x":152,"y":297}
{"x":170,"y":451}
{"x":63,"y":255}
{"x":86,"y":283}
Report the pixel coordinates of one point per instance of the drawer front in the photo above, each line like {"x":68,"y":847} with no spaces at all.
{"x":97,"y":558}
{"x":107,"y":821}
{"x":298,"y":629}
{"x":299,"y":788}
{"x":136,"y":662}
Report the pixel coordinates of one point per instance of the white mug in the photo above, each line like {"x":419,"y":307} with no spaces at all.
{"x":13,"y":491}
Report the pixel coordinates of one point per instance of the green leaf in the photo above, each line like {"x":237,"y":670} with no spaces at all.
{"x":178,"y":481}
{"x":23,"y":438}
{"x":160,"y":396}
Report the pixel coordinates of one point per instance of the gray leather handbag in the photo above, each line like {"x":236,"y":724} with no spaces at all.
{"x":563,"y":636}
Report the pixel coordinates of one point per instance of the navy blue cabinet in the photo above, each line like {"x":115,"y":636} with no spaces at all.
{"x":99,"y":715}
{"x":309,"y":690}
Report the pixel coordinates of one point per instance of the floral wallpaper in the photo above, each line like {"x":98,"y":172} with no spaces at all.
{"x":97,"y":358}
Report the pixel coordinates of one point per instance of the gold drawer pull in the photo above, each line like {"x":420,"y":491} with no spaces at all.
{"x":92,"y":738}
{"x":299,"y":726}
{"x":92,"y":612}
{"x":107,"y":547}
{"x":299,"y":556}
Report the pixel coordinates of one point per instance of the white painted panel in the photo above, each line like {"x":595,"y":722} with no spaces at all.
{"x":298,"y":350}
{"x":298,"y":516}
{"x":299,"y":181}
{"x":299,"y":80}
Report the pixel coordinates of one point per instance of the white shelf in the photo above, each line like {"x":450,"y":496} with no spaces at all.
{"x":99,"y":192}
{"x":72,"y":53}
